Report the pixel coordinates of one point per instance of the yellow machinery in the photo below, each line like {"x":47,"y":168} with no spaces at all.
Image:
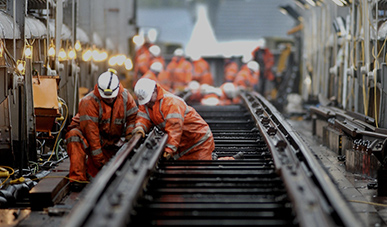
{"x":45,"y":102}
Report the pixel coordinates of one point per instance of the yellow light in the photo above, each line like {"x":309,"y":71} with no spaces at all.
{"x":1,"y":48}
{"x":72,"y":54}
{"x":28,"y":51}
{"x":103,"y":56}
{"x":128,"y":64}
{"x":121,"y":59}
{"x":87,"y":55}
{"x":21,"y":66}
{"x":62,"y":55}
{"x":95,"y":55}
{"x":51,"y":50}
{"x":112,"y":61}
{"x":78,"y":46}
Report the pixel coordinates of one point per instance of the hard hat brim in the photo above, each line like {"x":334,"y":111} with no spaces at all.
{"x":146,"y":100}
{"x":113,"y":95}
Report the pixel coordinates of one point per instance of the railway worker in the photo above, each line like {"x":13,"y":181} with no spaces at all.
{"x":201,"y":70}
{"x":189,"y":136}
{"x":265,"y":59}
{"x":211,"y":96}
{"x":105,"y":116}
{"x":158,"y":74}
{"x":229,"y":94}
{"x":179,"y":71}
{"x":153,"y":71}
{"x":248,"y":76}
{"x":146,"y":59}
{"x":142,"y":54}
{"x":230,"y":69}
{"x":195,"y":94}
{"x":156,"y":55}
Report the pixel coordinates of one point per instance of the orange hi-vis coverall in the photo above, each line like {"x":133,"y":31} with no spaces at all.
{"x":201,"y":72}
{"x":189,"y":136}
{"x":230,"y":71}
{"x":265,"y":61}
{"x":179,"y":72}
{"x":245,"y":78}
{"x":95,"y":130}
{"x":145,"y":60}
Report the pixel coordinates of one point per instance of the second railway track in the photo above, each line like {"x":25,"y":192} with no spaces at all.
{"x":273,"y":181}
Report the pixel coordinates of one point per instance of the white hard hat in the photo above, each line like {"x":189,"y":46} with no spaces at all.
{"x":193,"y":85}
{"x":155,"y":50}
{"x":178,"y":52}
{"x":156,"y":66}
{"x":203,"y":88}
{"x":212,"y":90}
{"x":253,"y":65}
{"x":211,"y":101}
{"x":144,"y":89}
{"x":229,"y":89}
{"x":108,"y":84}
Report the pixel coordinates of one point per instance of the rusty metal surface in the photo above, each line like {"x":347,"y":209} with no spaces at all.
{"x":353,"y":186}
{"x":52,"y":189}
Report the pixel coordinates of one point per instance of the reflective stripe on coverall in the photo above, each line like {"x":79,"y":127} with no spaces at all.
{"x":100,"y":127}
{"x":189,"y":136}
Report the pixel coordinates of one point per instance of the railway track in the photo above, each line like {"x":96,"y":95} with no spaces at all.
{"x":273,"y":181}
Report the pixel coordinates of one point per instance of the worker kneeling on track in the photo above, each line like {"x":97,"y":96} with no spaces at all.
{"x":106,"y":116}
{"x":189,"y":136}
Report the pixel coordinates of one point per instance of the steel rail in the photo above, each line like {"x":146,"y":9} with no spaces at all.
{"x":105,"y":201}
{"x":316,"y":198}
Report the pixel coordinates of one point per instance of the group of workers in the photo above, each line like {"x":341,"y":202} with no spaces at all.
{"x":109,"y":115}
{"x":183,"y":73}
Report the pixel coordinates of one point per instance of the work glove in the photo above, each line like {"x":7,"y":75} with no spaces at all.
{"x":167,"y":155}
{"x":138,"y":130}
{"x":99,"y":160}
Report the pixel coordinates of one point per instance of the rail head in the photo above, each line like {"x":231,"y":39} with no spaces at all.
{"x":105,"y":199}
{"x":316,"y":198}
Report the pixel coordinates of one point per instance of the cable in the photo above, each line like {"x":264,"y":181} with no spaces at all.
{"x":13,"y":171}
{"x":57,"y":137}
{"x":369,"y":203}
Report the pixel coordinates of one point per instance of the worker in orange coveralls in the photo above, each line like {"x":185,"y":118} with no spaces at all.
{"x":153,"y":71}
{"x":265,"y":59}
{"x":230,"y":69}
{"x":189,"y":136}
{"x":195,"y":94}
{"x":248,"y":76}
{"x":201,"y":70}
{"x":146,"y":59}
{"x":158,"y":74}
{"x":229,"y":94}
{"x":179,"y":71}
{"x":105,"y":117}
